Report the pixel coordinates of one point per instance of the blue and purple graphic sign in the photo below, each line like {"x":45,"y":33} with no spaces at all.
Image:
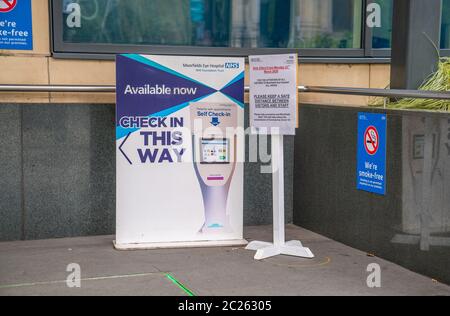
{"x":176,"y":181}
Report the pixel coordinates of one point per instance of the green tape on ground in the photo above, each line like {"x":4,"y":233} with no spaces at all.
{"x":180,"y":285}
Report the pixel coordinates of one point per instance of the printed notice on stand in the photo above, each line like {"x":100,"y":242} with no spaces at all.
{"x":274,"y":93}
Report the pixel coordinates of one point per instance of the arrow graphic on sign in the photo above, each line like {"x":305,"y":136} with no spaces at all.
{"x":121,"y":150}
{"x":215,"y":121}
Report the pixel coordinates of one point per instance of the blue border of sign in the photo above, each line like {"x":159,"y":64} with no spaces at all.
{"x":16,"y":27}
{"x":371,"y":159}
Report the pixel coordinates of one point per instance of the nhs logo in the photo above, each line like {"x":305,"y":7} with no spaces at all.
{"x":231,"y":65}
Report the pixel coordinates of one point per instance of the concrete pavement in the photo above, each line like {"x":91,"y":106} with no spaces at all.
{"x":39,"y":268}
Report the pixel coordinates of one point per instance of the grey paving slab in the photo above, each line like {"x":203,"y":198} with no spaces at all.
{"x":37,"y":261}
{"x":145,"y":285}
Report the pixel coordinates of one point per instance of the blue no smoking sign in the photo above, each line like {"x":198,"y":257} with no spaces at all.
{"x":16,"y":30}
{"x":371,"y":160}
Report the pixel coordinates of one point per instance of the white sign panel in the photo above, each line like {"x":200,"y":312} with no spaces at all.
{"x":274,"y":92}
{"x":178,"y":177}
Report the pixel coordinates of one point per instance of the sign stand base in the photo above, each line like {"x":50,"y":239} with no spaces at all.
{"x":181,"y":245}
{"x":279,"y":246}
{"x":266,"y":250}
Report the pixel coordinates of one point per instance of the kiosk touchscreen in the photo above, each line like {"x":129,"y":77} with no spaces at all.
{"x":215,"y":151}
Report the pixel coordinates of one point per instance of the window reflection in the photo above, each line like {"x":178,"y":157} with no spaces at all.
{"x":381,"y":36}
{"x":445,"y":33}
{"x":217,"y":23}
{"x":425,"y":220}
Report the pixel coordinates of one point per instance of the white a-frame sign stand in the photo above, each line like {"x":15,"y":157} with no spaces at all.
{"x":279,"y":246}
{"x":266,"y":73}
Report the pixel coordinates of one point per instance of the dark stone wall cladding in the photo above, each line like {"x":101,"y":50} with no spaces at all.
{"x":411,"y":224}
{"x":57,"y":173}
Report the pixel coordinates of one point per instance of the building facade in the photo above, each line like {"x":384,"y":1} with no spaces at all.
{"x":57,"y":168}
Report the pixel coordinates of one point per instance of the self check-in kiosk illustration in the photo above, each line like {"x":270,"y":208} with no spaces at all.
{"x":214,"y":153}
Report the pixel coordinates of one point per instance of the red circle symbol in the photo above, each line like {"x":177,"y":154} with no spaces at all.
{"x":371,"y":140}
{"x":7,"y":5}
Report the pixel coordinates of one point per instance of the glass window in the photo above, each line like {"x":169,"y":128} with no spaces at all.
{"x":445,"y":32}
{"x":214,"y":23}
{"x":326,"y":24}
{"x":148,"y":22}
{"x":381,"y":36}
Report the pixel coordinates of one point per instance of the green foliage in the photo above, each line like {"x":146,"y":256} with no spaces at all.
{"x":438,"y":81}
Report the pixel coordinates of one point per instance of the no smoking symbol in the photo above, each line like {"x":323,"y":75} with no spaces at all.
{"x":7,"y":5}
{"x":371,"y":140}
